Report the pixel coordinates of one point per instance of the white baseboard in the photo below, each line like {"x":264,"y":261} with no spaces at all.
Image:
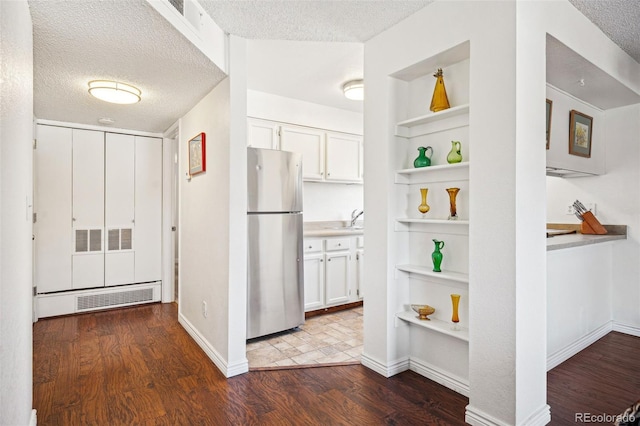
{"x":477,"y":417}
{"x":446,"y":379}
{"x":33,"y":420}
{"x":626,"y":329}
{"x":226,"y":369}
{"x":567,"y":352}
{"x":392,"y":369}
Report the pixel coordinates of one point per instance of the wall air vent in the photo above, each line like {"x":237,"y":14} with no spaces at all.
{"x":106,"y":300}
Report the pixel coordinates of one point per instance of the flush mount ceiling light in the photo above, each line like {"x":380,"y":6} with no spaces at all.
{"x":114,"y":92}
{"x":354,"y":90}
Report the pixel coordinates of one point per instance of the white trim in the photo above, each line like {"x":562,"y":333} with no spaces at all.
{"x":33,"y":420}
{"x":438,"y":375}
{"x":99,"y":128}
{"x":626,"y":329}
{"x":385,"y":370}
{"x":477,"y":417}
{"x":226,"y":369}
{"x":578,"y":345}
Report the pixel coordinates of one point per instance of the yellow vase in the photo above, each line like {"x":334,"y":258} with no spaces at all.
{"x":439,"y":101}
{"x":424,"y":207}
{"x":455,"y":301}
{"x":453,"y":211}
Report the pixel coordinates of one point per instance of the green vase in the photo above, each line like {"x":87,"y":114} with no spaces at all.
{"x":436,"y":256}
{"x":454,"y":155}
{"x":422,"y":160}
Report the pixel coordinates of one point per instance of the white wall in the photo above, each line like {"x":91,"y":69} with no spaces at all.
{"x":322,"y":201}
{"x":331,"y":201}
{"x":294,"y":111}
{"x":617,"y":198}
{"x":16,"y":167}
{"x":213,"y":224}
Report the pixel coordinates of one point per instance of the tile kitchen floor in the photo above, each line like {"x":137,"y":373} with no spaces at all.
{"x":334,"y":338}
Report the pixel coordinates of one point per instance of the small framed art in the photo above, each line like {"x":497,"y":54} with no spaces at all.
{"x":197,"y":154}
{"x":580,"y":130}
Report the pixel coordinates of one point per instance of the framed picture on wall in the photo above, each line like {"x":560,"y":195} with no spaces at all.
{"x":549,"y":108}
{"x":580,"y":130}
{"x":197,"y":154}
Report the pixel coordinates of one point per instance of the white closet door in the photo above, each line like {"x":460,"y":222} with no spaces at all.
{"x":148,"y":209}
{"x":53,"y":230}
{"x":119,"y":209}
{"x":88,"y":209}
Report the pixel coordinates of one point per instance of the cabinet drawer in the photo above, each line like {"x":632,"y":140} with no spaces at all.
{"x":312,"y":246}
{"x":337,"y":244}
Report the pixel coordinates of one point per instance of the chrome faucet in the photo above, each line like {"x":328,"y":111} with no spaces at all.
{"x":354,"y":216}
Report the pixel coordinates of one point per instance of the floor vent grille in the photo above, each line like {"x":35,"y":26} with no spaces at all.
{"x":96,"y":301}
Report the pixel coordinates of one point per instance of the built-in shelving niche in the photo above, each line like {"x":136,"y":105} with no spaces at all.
{"x":418,"y":284}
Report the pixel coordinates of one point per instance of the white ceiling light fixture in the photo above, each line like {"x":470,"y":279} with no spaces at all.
{"x":354,"y":90}
{"x":114,"y":92}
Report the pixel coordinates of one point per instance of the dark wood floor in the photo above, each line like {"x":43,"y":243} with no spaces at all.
{"x":603,"y":379}
{"x":138,"y":366}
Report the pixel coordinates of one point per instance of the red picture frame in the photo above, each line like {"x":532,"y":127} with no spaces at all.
{"x":197,"y":154}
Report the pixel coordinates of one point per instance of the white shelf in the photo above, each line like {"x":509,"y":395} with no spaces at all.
{"x":435,"y":116}
{"x":433,"y":169}
{"x":434,"y":221}
{"x":440,"y":173}
{"x":439,"y":326}
{"x":428,"y":272}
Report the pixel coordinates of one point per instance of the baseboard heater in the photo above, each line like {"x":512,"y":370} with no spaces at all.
{"x":90,"y":300}
{"x":128,"y":297}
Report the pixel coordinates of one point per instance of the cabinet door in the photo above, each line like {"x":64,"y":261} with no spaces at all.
{"x":308,"y":142}
{"x":344,"y":154}
{"x":360,"y":274}
{"x":53,"y":227}
{"x":148,"y":209}
{"x":119,"y":207}
{"x":337,"y":278}
{"x":313,"y":281}
{"x":88,"y":209}
{"x":262,"y":134}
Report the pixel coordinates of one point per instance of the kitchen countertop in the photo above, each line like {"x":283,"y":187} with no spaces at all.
{"x":558,"y":242}
{"x":332,"y":228}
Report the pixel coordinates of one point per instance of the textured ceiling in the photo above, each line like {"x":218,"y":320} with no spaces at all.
{"x":311,"y":20}
{"x":305,"y":70}
{"x":618,"y":19}
{"x":79,"y":41}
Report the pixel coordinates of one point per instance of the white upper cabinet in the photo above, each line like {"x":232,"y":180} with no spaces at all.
{"x":327,"y":156}
{"x":343,"y":157}
{"x":310,"y":143}
{"x":262,"y":134}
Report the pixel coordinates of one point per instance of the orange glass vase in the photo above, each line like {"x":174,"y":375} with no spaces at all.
{"x":455,"y":319}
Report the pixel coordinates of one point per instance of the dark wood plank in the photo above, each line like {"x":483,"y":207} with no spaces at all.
{"x":139,"y":366}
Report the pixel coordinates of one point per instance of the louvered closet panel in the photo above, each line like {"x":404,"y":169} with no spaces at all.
{"x":88,"y":209}
{"x":148,"y":209}
{"x":119,"y":208}
{"x":53,"y":230}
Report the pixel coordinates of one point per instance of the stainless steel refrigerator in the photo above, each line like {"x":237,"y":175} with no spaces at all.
{"x":275,"y":299}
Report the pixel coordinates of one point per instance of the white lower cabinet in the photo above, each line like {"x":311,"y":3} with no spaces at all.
{"x":331,"y":275}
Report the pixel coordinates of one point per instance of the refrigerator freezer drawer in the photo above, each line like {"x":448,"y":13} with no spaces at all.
{"x":275,"y":276}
